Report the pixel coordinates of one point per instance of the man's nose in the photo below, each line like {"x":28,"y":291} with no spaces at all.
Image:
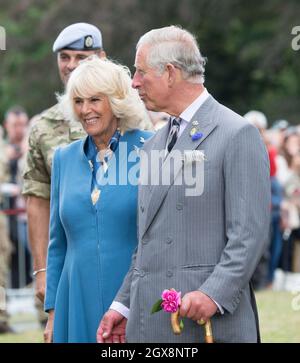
{"x":135,"y":81}
{"x":72,"y":64}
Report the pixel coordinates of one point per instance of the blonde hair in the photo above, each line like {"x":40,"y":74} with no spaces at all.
{"x":94,"y":76}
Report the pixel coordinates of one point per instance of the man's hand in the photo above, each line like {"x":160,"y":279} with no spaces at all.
{"x":112,"y":328}
{"x":40,"y":284}
{"x":48,"y":332}
{"x":196,"y":305}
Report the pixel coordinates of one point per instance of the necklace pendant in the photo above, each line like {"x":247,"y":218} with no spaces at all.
{"x":95,"y":195}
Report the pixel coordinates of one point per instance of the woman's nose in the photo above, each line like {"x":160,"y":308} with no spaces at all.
{"x":85,"y":107}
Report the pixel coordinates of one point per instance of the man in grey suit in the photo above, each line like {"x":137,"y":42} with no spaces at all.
{"x":205,"y":245}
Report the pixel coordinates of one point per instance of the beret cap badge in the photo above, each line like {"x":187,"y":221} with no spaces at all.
{"x":88,"y":41}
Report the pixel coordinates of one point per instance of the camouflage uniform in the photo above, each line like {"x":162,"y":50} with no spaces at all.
{"x":49,"y":130}
{"x":5,"y":244}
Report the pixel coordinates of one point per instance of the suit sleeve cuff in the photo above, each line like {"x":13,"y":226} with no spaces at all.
{"x":120,"y":308}
{"x":220,"y":309}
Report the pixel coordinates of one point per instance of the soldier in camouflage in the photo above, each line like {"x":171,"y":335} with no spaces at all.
{"x":5,"y":246}
{"x":50,"y":130}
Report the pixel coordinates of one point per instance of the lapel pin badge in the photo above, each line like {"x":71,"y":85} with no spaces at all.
{"x":196,"y":135}
{"x":195,"y":132}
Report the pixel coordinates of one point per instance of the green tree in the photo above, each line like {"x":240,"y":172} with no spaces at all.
{"x":251,"y":64}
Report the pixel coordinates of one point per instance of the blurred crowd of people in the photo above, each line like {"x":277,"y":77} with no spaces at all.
{"x":15,"y":262}
{"x":283,"y":144}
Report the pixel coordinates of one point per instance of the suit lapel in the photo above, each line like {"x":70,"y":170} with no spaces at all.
{"x":159,"y":146}
{"x":207,"y":123}
{"x":156,"y":143}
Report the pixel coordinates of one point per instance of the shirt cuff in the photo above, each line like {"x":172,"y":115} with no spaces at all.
{"x":120,"y":308}
{"x":220,"y":309}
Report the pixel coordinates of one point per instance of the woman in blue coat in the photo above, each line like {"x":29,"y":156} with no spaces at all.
{"x":93,"y":230}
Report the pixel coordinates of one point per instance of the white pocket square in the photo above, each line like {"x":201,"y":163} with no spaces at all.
{"x":193,"y":155}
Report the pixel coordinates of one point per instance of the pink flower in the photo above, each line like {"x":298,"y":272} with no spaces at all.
{"x":171,"y":300}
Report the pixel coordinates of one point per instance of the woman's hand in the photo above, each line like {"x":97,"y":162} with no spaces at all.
{"x":48,"y":332}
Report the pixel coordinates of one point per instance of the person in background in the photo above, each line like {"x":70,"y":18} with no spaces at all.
{"x":16,"y":127}
{"x":264,"y":274}
{"x":5,"y":245}
{"x":291,"y":206}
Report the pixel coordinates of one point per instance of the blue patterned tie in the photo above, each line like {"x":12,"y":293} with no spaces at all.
{"x":173,"y":134}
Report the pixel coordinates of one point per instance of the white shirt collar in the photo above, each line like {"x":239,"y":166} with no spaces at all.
{"x":189,"y":112}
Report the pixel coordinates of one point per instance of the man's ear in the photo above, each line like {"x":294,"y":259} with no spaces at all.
{"x":172,"y":74}
{"x":102,"y":54}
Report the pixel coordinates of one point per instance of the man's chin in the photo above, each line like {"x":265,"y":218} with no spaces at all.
{"x":65,"y":79}
{"x":148,"y":105}
{"x":152,"y":108}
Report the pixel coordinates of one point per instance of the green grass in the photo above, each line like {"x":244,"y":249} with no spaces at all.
{"x":29,"y":336}
{"x":35,"y":336}
{"x":279,"y":323}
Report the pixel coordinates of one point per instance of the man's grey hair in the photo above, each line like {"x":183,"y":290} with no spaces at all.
{"x":177,"y":46}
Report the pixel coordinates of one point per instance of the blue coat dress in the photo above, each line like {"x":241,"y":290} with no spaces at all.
{"x":90,"y":246}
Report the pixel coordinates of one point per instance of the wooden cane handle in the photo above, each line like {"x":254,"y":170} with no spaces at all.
{"x":175,"y":323}
{"x":208,"y":336}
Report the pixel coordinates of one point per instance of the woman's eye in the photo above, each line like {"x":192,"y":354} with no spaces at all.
{"x":95,"y":99}
{"x":77,"y":102}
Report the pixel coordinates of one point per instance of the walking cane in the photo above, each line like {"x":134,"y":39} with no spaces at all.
{"x":177,"y":327}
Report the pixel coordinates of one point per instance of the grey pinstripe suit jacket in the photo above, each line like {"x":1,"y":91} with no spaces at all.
{"x":210,"y":242}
